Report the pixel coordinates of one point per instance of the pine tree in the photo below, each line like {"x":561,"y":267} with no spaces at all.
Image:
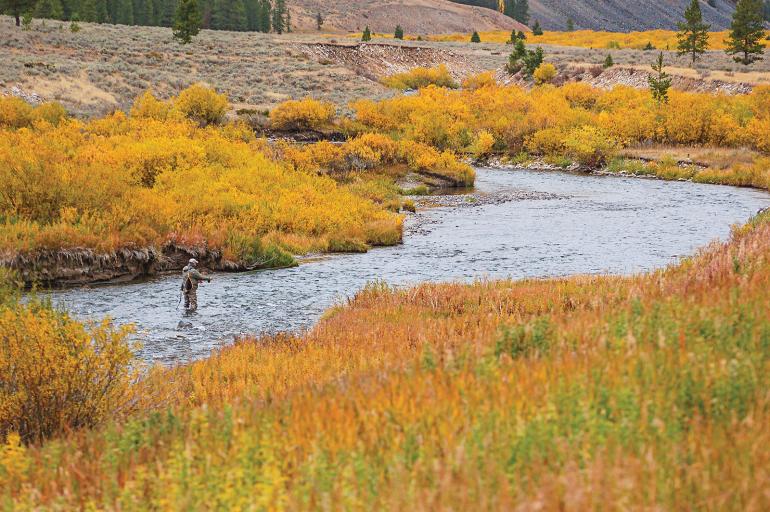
{"x":399,"y":33}
{"x":571,"y":25}
{"x":693,"y":34}
{"x":264,"y":16}
{"x":16,"y":8}
{"x":660,"y":83}
{"x":367,"y":35}
{"x":521,"y":35}
{"x":537,"y":29}
{"x":51,"y":9}
{"x":513,"y":36}
{"x":188,"y":21}
{"x":608,"y":62}
{"x":475,"y":38}
{"x":74,"y":25}
{"x":125,"y":13}
{"x":319,"y":21}
{"x":168,"y":14}
{"x":521,"y":11}
{"x":279,"y":16}
{"x":746,"y":32}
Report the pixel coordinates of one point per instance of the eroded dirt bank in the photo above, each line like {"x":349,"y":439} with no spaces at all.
{"x":75,"y":267}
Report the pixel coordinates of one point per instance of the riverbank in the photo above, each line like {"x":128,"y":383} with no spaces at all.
{"x":455,"y":395}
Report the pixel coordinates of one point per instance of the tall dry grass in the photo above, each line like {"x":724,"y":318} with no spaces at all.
{"x":586,"y":392}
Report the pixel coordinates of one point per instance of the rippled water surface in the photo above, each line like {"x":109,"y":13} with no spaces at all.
{"x":516,"y":224}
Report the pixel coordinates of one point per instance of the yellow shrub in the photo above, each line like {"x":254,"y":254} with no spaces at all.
{"x":485,"y":79}
{"x":148,"y":106}
{"x":307,"y":114}
{"x":547,"y":142}
{"x":14,"y":112}
{"x":418,"y":78}
{"x":483,"y":145}
{"x":589,"y":145}
{"x":58,"y":375}
{"x":202,"y":105}
{"x":545,"y":73}
{"x":51,"y":112}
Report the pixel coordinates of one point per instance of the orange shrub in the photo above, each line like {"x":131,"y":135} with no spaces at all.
{"x":420,"y":77}
{"x":307,"y":114}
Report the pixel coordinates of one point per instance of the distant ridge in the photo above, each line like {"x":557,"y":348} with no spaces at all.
{"x":415,"y":16}
{"x":620,"y":15}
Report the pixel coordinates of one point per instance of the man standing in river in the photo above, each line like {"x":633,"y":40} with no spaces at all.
{"x":190,"y":280}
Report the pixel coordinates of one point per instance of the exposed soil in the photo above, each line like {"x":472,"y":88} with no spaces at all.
{"x":74,"y":267}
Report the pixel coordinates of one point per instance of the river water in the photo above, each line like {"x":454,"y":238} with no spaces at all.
{"x":516,"y":223}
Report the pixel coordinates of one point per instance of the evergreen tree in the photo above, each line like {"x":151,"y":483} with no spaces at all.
{"x":571,"y":24}
{"x":521,"y":11}
{"x":693,"y":34}
{"x":168,"y":14}
{"x":188,"y":21}
{"x":521,"y":35}
{"x":51,"y":9}
{"x":399,"y":34}
{"x":475,"y":38}
{"x":101,"y":12}
{"x":536,"y":29}
{"x":659,"y":83}
{"x":264,"y":16}
{"x":532,"y":60}
{"x":26,"y":21}
{"x":74,"y":25}
{"x":279,"y":16}
{"x":608,"y":62}
{"x":319,"y":21}
{"x":125,"y":14}
{"x":766,"y":10}
{"x":367,"y":35}
{"x":16,"y":8}
{"x":513,"y":36}
{"x":746,"y":32}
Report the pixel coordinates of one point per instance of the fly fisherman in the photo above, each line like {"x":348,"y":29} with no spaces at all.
{"x":190,"y":280}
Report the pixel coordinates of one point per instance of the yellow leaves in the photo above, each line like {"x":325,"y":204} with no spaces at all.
{"x":17,"y":113}
{"x":484,"y":144}
{"x":56,"y":373}
{"x":202,"y":105}
{"x":589,"y":145}
{"x":479,"y":81}
{"x":307,"y":114}
{"x":545,"y":73}
{"x":13,"y":459}
{"x":148,"y":106}
{"x":420,"y":77}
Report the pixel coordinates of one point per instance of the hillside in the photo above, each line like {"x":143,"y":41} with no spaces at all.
{"x":624,"y":15}
{"x":620,"y":15}
{"x":415,"y":16}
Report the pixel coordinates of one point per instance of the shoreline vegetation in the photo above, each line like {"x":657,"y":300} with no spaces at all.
{"x":133,"y":194}
{"x":647,"y":389}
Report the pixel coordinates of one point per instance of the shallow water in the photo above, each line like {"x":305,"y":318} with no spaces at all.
{"x":516,"y":224}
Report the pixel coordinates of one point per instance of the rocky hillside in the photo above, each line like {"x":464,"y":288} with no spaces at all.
{"x":625,"y":15}
{"x":415,"y":16}
{"x":618,"y":15}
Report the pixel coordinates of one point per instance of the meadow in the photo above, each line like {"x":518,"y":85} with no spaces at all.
{"x":579,"y":393}
{"x":659,"y":39}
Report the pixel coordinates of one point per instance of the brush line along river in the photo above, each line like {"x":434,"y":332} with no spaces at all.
{"x":515,"y":224}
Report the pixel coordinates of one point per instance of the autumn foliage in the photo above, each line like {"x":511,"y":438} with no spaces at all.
{"x":169,"y":172}
{"x":457,"y":396}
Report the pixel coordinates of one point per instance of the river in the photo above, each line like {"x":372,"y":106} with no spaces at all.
{"x":516,"y":223}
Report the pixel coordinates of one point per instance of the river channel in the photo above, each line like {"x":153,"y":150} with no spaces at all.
{"x":514,"y":224}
